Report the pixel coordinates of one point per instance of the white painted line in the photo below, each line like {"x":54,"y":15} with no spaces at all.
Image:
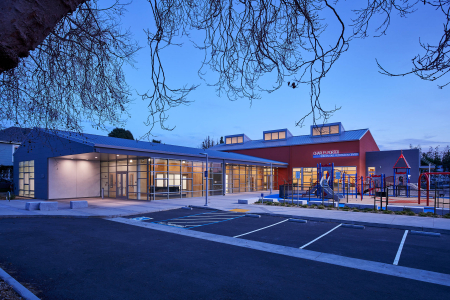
{"x":400,"y":248}
{"x":261,"y":228}
{"x":332,"y":259}
{"x":320,"y":237}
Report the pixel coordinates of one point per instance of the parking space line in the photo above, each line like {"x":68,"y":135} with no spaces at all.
{"x":337,"y":260}
{"x":260,"y":228}
{"x":400,"y":248}
{"x":320,"y":237}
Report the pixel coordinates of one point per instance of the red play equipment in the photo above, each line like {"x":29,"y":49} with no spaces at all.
{"x":428,"y":183}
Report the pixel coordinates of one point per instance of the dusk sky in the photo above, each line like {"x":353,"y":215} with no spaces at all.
{"x":398,"y":111}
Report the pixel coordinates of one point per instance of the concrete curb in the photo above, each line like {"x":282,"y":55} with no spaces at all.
{"x":20,"y":289}
{"x":425,"y":233}
{"x":89,"y":217}
{"x":203,"y":207}
{"x":298,"y":220}
{"x":353,"y":226}
{"x":253,"y":215}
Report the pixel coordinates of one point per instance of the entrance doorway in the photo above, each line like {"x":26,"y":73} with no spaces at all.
{"x":121,"y":185}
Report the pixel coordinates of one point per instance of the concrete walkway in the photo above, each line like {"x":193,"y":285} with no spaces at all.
{"x":109,"y":208}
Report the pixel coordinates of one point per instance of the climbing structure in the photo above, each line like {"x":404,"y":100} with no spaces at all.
{"x":402,"y":174}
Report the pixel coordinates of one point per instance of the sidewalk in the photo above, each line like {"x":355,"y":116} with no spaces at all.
{"x":109,"y":208}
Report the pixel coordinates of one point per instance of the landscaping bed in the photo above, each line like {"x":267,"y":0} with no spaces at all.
{"x":405,"y":212}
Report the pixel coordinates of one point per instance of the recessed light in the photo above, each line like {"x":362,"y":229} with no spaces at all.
{"x":131,"y":160}
{"x":96,"y":157}
{"x":117,"y":154}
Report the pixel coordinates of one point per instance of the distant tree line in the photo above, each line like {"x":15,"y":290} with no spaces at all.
{"x":436,"y":156}
{"x":209,"y":142}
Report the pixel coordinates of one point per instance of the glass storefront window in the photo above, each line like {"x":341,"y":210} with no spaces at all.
{"x":159,"y":178}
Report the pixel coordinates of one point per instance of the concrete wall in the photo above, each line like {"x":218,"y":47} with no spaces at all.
{"x":384,"y":161}
{"x":73,"y":178}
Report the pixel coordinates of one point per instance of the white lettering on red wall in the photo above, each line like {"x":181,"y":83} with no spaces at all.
{"x":326,"y":152}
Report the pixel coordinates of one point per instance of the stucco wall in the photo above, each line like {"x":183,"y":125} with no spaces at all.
{"x":73,"y":178}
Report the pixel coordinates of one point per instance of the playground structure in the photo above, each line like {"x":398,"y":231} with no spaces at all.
{"x":332,"y":184}
{"x":427,"y":177}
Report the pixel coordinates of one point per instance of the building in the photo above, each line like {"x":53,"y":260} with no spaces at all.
{"x":56,"y":165}
{"x":10,"y":140}
{"x":353,"y":152}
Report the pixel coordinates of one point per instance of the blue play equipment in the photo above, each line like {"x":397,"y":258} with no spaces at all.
{"x":324,"y":186}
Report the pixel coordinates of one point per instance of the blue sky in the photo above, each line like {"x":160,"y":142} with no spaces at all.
{"x":398,"y":111}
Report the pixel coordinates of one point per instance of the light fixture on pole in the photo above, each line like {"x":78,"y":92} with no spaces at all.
{"x":207,"y":179}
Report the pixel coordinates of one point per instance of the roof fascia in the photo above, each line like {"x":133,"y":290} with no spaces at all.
{"x":185,"y":154}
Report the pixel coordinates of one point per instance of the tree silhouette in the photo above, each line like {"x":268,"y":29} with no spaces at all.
{"x":121,"y":133}
{"x":61,"y":60}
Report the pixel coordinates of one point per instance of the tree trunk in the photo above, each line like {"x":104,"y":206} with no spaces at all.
{"x":24,"y":24}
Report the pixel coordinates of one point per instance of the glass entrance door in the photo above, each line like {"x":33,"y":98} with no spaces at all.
{"x":121,"y":185}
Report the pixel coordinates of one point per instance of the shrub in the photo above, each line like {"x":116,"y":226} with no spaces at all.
{"x":321,"y":207}
{"x":422,"y":214}
{"x":410,"y":213}
{"x":387,"y":211}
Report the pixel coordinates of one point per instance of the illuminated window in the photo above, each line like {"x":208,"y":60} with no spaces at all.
{"x":278,"y":135}
{"x":26,"y":178}
{"x":325,"y":130}
{"x":234,"y":140}
{"x":334,"y":129}
{"x":316,"y":131}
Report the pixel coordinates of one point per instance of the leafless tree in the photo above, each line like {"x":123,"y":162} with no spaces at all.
{"x":208,"y":142}
{"x":434,"y":63}
{"x":242,"y":41}
{"x":75,"y":75}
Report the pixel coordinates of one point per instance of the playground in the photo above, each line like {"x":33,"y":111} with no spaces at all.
{"x":393,"y":191}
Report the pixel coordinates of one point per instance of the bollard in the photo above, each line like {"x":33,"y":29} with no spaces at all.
{"x":103,"y":193}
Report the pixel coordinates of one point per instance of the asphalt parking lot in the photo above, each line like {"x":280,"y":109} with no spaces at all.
{"x":66,"y":258}
{"x":371,"y":243}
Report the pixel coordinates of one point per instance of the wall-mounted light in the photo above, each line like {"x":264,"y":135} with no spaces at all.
{"x":131,"y":160}
{"x":117,"y":155}
{"x":96,"y":157}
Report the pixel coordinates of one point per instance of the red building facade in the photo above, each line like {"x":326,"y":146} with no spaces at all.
{"x":328,"y":143}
